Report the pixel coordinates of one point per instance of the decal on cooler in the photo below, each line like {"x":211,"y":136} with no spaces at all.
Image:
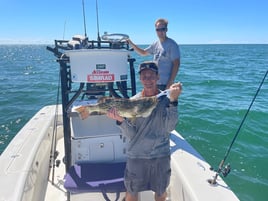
{"x":100,"y":76}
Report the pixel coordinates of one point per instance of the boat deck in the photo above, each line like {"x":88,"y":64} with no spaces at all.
{"x":188,"y":179}
{"x":56,"y":190}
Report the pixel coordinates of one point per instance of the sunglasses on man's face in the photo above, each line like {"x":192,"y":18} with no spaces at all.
{"x":161,"y":29}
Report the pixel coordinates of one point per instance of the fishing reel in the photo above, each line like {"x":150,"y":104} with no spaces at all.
{"x":224,"y":171}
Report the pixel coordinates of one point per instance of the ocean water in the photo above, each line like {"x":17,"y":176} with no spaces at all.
{"x":219,"y":83}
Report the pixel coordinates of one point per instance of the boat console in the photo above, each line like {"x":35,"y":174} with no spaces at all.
{"x":95,"y":149}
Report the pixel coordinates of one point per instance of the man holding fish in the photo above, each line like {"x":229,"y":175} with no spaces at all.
{"x":148,"y":151}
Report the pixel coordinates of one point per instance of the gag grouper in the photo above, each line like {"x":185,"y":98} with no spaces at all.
{"x":129,"y":108}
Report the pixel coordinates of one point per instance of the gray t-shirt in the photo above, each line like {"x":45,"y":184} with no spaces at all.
{"x":164,"y":54}
{"x":149,"y":137}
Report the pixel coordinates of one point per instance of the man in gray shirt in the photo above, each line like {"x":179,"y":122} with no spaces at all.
{"x":166,"y":53}
{"x":148,"y":151}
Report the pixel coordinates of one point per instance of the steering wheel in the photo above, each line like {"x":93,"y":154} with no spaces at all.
{"x":115,"y":37}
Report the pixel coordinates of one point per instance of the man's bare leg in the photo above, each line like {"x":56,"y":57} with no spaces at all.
{"x":161,"y":197}
{"x":130,"y":197}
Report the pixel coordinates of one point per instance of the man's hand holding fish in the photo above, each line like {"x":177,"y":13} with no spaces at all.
{"x":174,"y":91}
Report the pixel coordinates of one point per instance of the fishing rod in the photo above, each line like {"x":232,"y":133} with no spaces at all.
{"x":98,"y":29}
{"x":84,"y":15}
{"x":227,"y":168}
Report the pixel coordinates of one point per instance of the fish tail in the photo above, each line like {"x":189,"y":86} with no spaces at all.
{"x":82,"y":112}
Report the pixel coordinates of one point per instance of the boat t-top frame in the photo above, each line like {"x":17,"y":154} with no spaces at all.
{"x":68,"y":52}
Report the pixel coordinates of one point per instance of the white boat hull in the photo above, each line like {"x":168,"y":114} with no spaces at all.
{"x":26,"y":176}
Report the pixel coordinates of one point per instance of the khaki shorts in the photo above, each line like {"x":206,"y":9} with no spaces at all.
{"x":147,"y":174}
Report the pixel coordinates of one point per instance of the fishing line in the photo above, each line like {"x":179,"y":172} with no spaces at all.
{"x":227,"y":169}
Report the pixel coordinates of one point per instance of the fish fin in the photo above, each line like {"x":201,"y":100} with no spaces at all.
{"x":102,"y":99}
{"x":132,"y":119}
{"x":105,"y":99}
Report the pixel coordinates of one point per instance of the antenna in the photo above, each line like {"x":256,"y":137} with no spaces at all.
{"x":84,"y":15}
{"x":64,"y":28}
{"x":97,"y":13}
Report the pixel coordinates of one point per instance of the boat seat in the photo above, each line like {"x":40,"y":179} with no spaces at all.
{"x":96,"y":177}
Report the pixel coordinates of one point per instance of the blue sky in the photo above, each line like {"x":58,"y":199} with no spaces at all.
{"x":190,"y":21}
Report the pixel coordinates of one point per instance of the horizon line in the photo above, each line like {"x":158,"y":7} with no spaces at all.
{"x":42,"y":43}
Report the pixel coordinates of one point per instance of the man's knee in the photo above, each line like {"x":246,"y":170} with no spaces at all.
{"x":130,"y":197}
